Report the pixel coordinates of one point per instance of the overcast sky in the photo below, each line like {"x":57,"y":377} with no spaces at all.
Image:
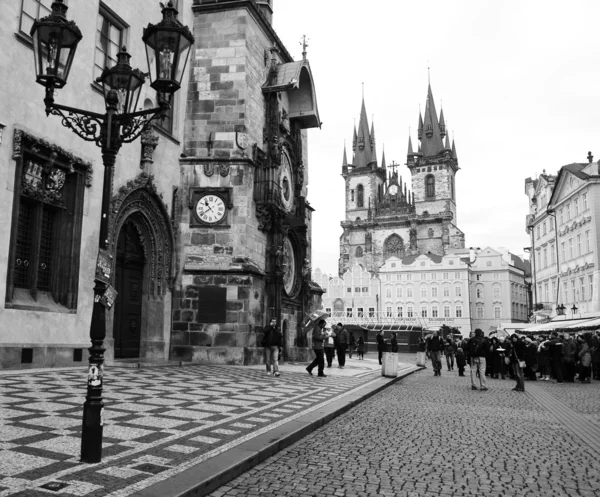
{"x":518,"y":81}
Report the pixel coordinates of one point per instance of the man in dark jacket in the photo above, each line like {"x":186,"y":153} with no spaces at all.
{"x":271,"y":342}
{"x":435,"y":345}
{"x":556,"y":356}
{"x":341,"y":344}
{"x":478,"y":348}
{"x":394,"y":343}
{"x":318,"y":336}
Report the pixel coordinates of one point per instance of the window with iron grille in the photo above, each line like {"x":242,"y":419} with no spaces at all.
{"x":46,"y":227}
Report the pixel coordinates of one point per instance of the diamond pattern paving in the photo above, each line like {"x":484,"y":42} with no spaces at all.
{"x":158,"y":422}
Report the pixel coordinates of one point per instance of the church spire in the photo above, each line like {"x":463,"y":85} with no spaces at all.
{"x":431,"y":140}
{"x":383,"y":165}
{"x":345,"y":159}
{"x":364,"y":149}
{"x":372,"y":141}
{"x":447,"y":143}
{"x":442,"y":124}
{"x":454,"y":150}
{"x":354,"y":139}
{"x":420,"y":128}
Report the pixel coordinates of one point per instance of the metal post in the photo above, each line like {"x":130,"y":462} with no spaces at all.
{"x":93,"y":407}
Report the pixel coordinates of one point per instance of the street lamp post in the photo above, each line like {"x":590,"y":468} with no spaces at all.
{"x":55,"y":40}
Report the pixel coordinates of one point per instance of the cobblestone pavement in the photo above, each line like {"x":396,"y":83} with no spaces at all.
{"x":158,"y":421}
{"x":434,"y":436}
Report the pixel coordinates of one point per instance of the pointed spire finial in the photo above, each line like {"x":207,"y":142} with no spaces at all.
{"x":304,"y":44}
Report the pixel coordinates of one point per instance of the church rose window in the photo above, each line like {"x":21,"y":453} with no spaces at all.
{"x":394,"y":247}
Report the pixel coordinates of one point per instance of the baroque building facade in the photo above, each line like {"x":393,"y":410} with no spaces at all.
{"x":563,"y":226}
{"x":385,"y":216}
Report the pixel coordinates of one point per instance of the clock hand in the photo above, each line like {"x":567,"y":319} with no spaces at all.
{"x":206,"y":203}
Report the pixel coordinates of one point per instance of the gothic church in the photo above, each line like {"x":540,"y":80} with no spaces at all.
{"x":386,"y":217}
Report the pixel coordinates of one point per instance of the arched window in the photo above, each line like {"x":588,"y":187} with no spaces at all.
{"x":359,"y":252}
{"x":393,"y":246}
{"x":452,"y":187}
{"x":360,"y":196}
{"x":430,"y":186}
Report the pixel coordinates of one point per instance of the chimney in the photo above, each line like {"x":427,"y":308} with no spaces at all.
{"x":266,"y":8}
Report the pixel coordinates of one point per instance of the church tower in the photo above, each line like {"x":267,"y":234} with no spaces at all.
{"x":364,"y":185}
{"x":433,"y":168}
{"x":383,"y":217}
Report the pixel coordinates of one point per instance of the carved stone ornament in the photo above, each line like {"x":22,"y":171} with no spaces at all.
{"x":300,"y":175}
{"x":209,"y":169}
{"x":264,"y":217}
{"x":224,"y":169}
{"x":149,"y":140}
{"x":55,"y":157}
{"x":258,"y":156}
{"x":241,"y":140}
{"x":139,"y":203}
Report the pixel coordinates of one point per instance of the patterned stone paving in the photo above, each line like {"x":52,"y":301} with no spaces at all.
{"x":158,"y":422}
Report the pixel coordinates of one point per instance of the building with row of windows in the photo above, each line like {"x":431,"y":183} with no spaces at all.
{"x":480,"y":289}
{"x":564,"y":212}
{"x":209,"y":231}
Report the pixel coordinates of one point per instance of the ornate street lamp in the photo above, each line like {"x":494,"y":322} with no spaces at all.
{"x":560,"y":310}
{"x":55,"y":42}
{"x":574,"y":309}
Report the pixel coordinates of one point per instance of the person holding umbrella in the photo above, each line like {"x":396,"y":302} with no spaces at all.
{"x":318,"y":336}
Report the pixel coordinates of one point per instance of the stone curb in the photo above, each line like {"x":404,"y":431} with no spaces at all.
{"x":209,"y":475}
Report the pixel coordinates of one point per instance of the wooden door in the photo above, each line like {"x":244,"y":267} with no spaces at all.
{"x":129,"y":277}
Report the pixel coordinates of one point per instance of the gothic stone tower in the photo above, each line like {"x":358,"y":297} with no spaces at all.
{"x":243,"y":220}
{"x":383,"y":218}
{"x":433,"y":169}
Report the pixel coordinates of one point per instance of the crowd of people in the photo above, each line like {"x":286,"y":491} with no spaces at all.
{"x":558,"y":357}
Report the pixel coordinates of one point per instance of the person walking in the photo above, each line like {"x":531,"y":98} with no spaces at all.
{"x":341,"y":344}
{"x":380,"y":344}
{"x":460,"y":361}
{"x":360,"y":348}
{"x":434,"y":347}
{"x":544,"y":360}
{"x":517,"y":361}
{"x":351,"y":344}
{"x":318,"y":336}
{"x":271,"y":341}
{"x":531,"y":360}
{"x":478,"y":349}
{"x":394,"y":343}
{"x":449,"y":350}
{"x":329,"y":345}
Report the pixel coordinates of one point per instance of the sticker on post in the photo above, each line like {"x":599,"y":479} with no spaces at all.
{"x":95,"y":374}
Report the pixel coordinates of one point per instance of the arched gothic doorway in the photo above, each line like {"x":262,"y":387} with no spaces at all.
{"x":129,"y":278}
{"x":141,"y":241}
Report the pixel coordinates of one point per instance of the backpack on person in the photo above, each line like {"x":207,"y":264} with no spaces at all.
{"x":474,"y":346}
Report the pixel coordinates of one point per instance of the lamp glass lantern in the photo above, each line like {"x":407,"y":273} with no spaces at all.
{"x":125,"y":81}
{"x":168,"y":46}
{"x":55,"y":41}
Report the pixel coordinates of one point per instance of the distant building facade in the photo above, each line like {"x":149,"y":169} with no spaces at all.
{"x":465,"y":291}
{"x":562,"y":222}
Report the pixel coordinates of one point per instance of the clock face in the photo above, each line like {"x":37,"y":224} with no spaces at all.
{"x":210,"y":209}
{"x":393,"y":189}
{"x":285,"y":183}
{"x":289,"y":259}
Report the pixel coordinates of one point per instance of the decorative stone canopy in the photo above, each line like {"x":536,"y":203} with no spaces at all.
{"x":295,"y":78}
